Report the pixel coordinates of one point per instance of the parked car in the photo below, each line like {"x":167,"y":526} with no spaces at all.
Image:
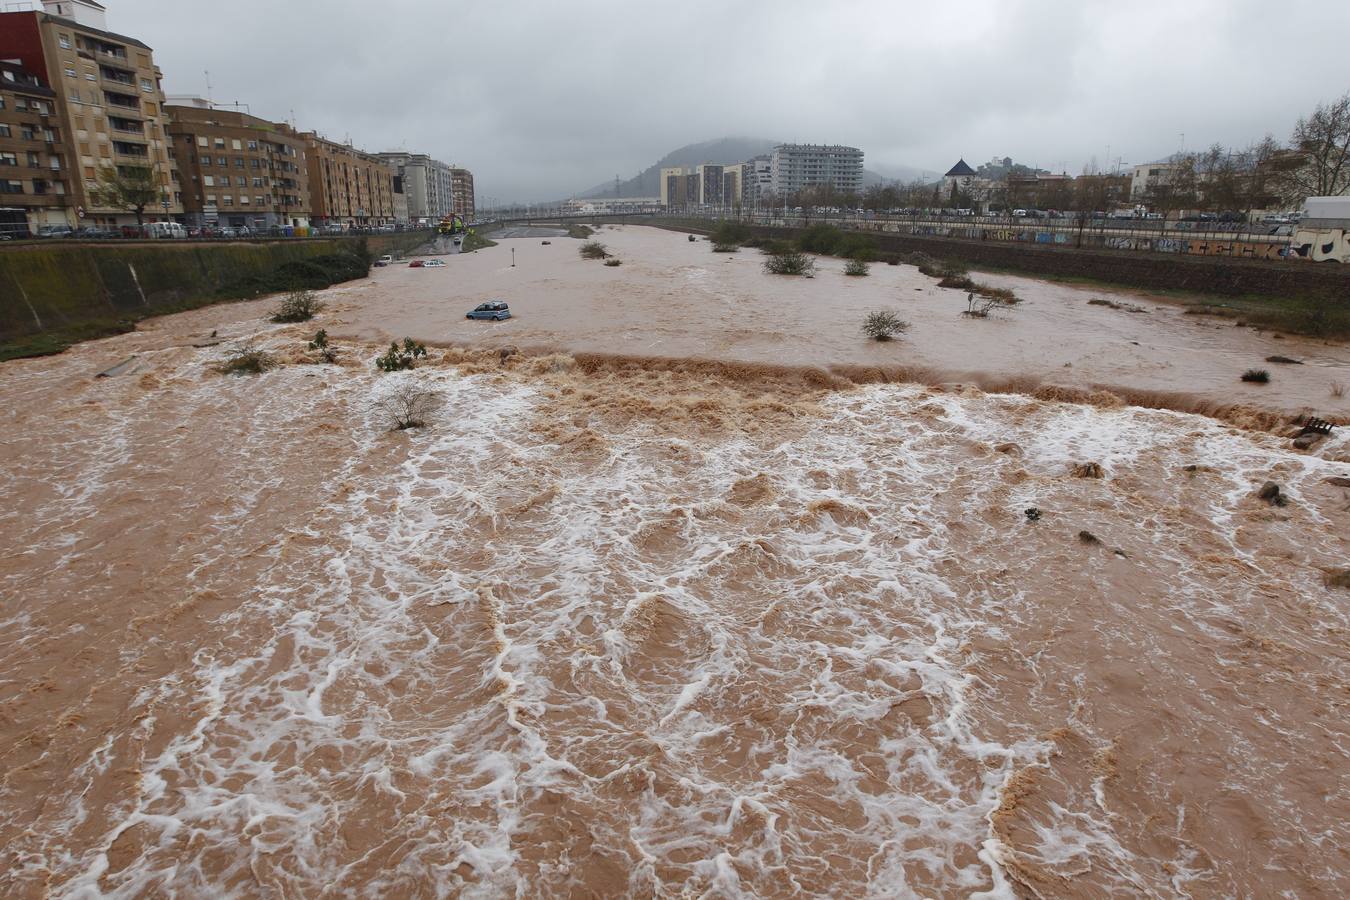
{"x":435,"y":264}
{"x":416,"y":264}
{"x":55,"y":231}
{"x":495,"y":310}
{"x":384,"y":260}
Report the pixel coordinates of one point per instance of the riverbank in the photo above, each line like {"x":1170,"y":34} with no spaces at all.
{"x":59,"y":293}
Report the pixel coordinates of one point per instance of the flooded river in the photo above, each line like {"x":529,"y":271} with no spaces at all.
{"x":612,"y":626}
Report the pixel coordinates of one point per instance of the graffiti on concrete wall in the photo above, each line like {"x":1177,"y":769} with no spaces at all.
{"x":1322,"y":244}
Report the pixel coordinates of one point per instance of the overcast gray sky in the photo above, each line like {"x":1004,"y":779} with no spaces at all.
{"x":543,"y":99}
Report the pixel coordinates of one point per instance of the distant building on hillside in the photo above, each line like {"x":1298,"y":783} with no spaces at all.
{"x":958,"y":178}
{"x":797,"y":166}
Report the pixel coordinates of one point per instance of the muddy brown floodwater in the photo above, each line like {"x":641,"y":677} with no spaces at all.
{"x":615,"y":627}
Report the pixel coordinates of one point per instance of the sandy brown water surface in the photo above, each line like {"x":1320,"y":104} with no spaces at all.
{"x":640,"y":630}
{"x":678,"y":299}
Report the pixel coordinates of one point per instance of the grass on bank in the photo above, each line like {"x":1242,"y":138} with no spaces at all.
{"x":580,"y":232}
{"x":475,"y":241}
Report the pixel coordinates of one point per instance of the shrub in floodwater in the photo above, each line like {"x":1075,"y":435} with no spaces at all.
{"x":692,"y":239}
{"x":729,"y":234}
{"x":407,"y":406}
{"x":327,"y":352}
{"x":298,"y":306}
{"x":724,"y":248}
{"x":1257,"y":376}
{"x":594,"y":250}
{"x":820,"y":238}
{"x":883,"y":325}
{"x":398,"y":358}
{"x":856,"y":267}
{"x":613,"y":261}
{"x":580,"y":232}
{"x":246,"y":359}
{"x":790,"y":262}
{"x":980,"y":305}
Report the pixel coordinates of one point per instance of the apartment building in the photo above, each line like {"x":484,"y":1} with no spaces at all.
{"x":756,"y":180}
{"x":428,"y":184}
{"x":461,"y":187}
{"x":32,"y":170}
{"x":107,"y":108}
{"x":797,"y":166}
{"x":710,"y":184}
{"x":236,"y":169}
{"x":681,"y":186}
{"x":347,"y":186}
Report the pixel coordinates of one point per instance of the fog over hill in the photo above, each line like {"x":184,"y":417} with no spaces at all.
{"x":723,"y":151}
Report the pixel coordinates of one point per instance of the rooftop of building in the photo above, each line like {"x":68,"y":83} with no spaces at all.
{"x":960,"y":170}
{"x":14,"y":77}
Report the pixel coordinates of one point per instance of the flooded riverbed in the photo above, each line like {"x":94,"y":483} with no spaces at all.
{"x":633,"y":630}
{"x":674,"y":298}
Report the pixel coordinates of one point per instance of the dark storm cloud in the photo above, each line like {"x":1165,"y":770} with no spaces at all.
{"x":546,"y":98}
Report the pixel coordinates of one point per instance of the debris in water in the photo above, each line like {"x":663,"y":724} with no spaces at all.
{"x":1284,"y":359}
{"x":125,"y":367}
{"x":1087,"y":470}
{"x":1088,"y":537}
{"x":1338,"y":480}
{"x":1338,"y":578}
{"x":1270,"y":492}
{"x":1033,"y":514}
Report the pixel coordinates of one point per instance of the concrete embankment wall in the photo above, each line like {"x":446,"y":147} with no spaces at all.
{"x":59,"y":286}
{"x":1325,"y":281}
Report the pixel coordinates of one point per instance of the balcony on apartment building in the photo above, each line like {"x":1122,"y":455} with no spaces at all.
{"x":118,"y":76}
{"x":122,"y":101}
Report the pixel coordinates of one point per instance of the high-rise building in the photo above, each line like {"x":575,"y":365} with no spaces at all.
{"x":710,"y":184}
{"x":462,"y":189}
{"x":681,"y":186}
{"x":347,"y":186}
{"x":428,"y":184}
{"x":32,"y":171}
{"x":107,"y":108}
{"x":236,"y":169}
{"x":757,"y":180}
{"x":798,"y":166}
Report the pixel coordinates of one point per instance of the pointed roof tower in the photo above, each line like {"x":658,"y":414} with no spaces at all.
{"x":960,"y":170}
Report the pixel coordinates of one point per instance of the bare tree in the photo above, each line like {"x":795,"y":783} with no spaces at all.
{"x":1322,"y":141}
{"x":407,"y":406}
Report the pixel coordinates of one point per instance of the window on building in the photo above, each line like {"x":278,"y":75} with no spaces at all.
{"x":147,"y":85}
{"x":27,"y":133}
{"x":220,"y":143}
{"x":71,"y":73}
{"x":255,"y":163}
{"x":236,"y":144}
{"x":8,"y":159}
{"x":64,"y":41}
{"x":257,"y":182}
{"x":238,"y":161}
{"x":260,"y":201}
{"x":210,"y":199}
{"x":202,"y":142}
{"x":4,"y":130}
{"x":209,"y":180}
{"x":253,"y":145}
{"x":243,"y":199}
{"x":226,"y":200}
{"x":10,"y":187}
{"x":74,"y":95}
{"x":223,"y":162}
{"x":33,"y":160}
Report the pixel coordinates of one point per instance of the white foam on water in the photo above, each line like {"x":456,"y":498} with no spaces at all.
{"x":761,"y":682}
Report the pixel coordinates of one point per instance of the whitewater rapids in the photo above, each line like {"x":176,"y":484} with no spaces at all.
{"x":654,"y":633}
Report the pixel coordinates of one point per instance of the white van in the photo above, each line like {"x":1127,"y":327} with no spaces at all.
{"x":166,"y":230}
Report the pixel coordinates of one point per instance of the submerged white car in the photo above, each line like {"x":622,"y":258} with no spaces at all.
{"x":434,"y":264}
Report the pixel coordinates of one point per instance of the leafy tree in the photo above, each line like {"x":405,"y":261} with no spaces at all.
{"x":125,"y":187}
